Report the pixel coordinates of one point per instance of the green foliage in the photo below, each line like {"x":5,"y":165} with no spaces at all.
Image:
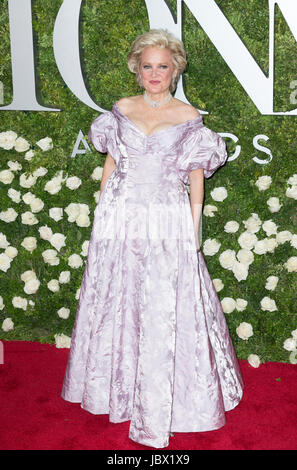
{"x":106,"y":32}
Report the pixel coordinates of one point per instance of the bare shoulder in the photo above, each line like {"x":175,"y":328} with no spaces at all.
{"x":186,"y":111}
{"x":127,"y":103}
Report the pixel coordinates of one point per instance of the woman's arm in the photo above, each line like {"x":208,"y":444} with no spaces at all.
{"x":196,"y":178}
{"x":108,"y":168}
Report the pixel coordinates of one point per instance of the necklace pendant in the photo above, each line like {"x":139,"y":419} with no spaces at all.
{"x":157,"y":104}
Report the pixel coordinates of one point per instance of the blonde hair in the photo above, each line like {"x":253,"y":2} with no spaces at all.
{"x":158,"y":38}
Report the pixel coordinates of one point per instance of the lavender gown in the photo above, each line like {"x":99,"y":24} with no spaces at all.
{"x":150,"y":342}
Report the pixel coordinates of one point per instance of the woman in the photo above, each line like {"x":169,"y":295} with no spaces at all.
{"x":150,"y":342}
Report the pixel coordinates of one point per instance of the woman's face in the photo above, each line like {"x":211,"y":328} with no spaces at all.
{"x":156,"y":69}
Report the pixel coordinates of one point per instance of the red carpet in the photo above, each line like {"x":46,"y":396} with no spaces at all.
{"x":33,"y":416}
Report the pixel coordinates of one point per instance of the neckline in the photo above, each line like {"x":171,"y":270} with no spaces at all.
{"x":174,"y":126}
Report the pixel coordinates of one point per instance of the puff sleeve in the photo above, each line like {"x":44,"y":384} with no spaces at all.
{"x":205,"y":149}
{"x":103,"y":136}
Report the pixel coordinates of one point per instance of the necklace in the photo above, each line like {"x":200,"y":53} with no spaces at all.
{"x":157,"y":104}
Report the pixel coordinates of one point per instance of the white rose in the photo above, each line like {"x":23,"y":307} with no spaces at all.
{"x":247,"y":240}
{"x":292,"y":179}
{"x":73,"y":211}
{"x":6,"y":176}
{"x":53,"y":186}
{"x":97,"y":173}
{"x":28,"y":276}
{"x":274,"y":204}
{"x":57,"y":241}
{"x":245,"y":256}
{"x":240,"y":271}
{"x":29,"y":219}
{"x":45,"y":144}
{"x":7,"y":139}
{"x":97,"y":196}
{"x":75,"y":261}
{"x":269,"y":227}
{"x":7,"y":324}
{"x":3,"y":241}
{"x":29,"y":155}
{"x":41,"y":171}
{"x":9,"y":215}
{"x":293,"y":241}
{"x":53,"y":285}
{"x":292,"y":192}
{"x":293,"y":333}
{"x":21,"y":145}
{"x":14,"y":195}
{"x":85,"y":247}
{"x":271,"y":243}
{"x":231,"y":227}
{"x":241,"y":304}
{"x":291,"y":264}
{"x":50,"y":257}
{"x":260,"y":247}
{"x":211,"y":247}
{"x":64,"y":277}
{"x":83,"y":220}
{"x":62,"y":341}
{"x":29,"y":243}
{"x":209,"y":210}
{"x":227,"y":259}
{"x":20,"y":302}
{"x":83,"y":208}
{"x":219,"y":194}
{"x":244,"y":331}
{"x":27,"y":182}
{"x":263,"y":182}
{"x":218,"y":284}
{"x":293,"y":357}
{"x":14,"y":165}
{"x":73,"y":182}
{"x":290,"y":344}
{"x":228,"y":304}
{"x":32,"y":286}
{"x":254,"y":360}
{"x":271,"y":282}
{"x":36,"y":205}
{"x":268,"y":304}
{"x":1,"y":303}
{"x":56,"y":213}
{"x":63,"y":313}
{"x":4,"y":262}
{"x":45,"y":232}
{"x":11,"y":252}
{"x":28,"y":197}
{"x":77,"y":294}
{"x":283,"y":236}
{"x":253,"y":223}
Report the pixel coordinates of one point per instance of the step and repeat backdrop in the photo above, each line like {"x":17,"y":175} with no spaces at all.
{"x":65,"y":62}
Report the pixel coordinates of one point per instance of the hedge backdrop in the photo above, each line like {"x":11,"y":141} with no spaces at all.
{"x":37,"y":309}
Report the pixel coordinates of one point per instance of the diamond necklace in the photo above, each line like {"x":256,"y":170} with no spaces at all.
{"x":157,"y":104}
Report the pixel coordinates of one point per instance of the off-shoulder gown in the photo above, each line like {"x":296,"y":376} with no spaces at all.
{"x":150,"y":343}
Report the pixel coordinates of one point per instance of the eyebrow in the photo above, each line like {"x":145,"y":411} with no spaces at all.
{"x":160,"y":63}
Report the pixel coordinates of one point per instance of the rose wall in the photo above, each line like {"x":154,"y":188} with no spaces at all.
{"x":47,"y":198}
